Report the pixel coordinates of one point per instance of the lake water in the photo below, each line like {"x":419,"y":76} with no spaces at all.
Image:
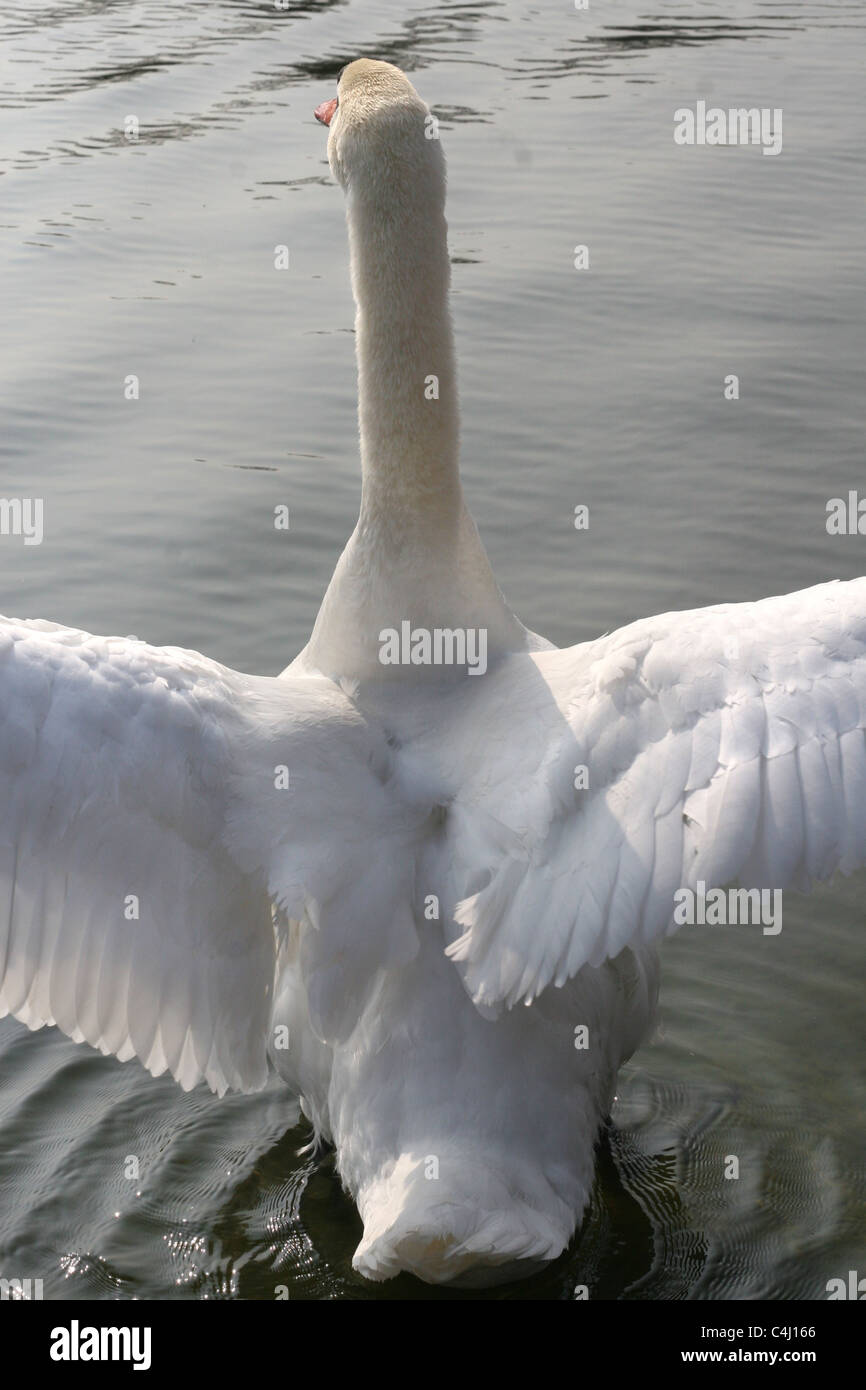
{"x":154,"y":257}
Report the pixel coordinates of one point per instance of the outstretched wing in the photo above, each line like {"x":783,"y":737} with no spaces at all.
{"x":153,"y":806}
{"x":724,"y":745}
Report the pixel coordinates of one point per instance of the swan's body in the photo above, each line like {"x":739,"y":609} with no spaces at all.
{"x":434,"y":864}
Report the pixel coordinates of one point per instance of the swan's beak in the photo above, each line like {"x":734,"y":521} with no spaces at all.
{"x":325,"y":112}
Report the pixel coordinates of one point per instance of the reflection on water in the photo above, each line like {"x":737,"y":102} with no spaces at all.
{"x":154,"y":255}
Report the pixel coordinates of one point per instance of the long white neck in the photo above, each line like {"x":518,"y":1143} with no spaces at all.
{"x":407,"y":379}
{"x":415,"y":554}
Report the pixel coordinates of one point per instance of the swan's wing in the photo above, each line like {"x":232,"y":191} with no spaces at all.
{"x":724,"y":745}
{"x":145,"y":830}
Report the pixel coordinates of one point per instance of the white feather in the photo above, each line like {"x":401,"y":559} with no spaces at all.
{"x":144,"y":837}
{"x":763,"y":765}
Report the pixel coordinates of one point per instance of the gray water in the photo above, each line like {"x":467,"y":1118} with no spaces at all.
{"x":155,"y":257}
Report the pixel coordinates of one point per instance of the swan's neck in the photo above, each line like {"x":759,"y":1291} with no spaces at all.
{"x":415,"y":555}
{"x":407,"y":381}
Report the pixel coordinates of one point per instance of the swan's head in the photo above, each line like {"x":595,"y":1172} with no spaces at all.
{"x":379,"y":128}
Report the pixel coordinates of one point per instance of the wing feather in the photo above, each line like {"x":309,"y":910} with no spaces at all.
{"x":144,"y":839}
{"x":725,"y":745}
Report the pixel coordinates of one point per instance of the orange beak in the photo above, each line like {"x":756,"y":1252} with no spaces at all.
{"x":325,"y":112}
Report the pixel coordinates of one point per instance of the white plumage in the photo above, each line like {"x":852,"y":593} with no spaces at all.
{"x":722,"y":745}
{"x":374,"y":865}
{"x":146,"y":833}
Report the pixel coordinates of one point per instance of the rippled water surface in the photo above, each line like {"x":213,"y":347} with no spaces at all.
{"x":154,"y":257}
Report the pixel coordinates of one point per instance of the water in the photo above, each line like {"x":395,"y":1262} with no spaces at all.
{"x":155,"y":258}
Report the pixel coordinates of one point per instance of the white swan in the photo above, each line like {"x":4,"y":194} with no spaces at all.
{"x":431,"y":862}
